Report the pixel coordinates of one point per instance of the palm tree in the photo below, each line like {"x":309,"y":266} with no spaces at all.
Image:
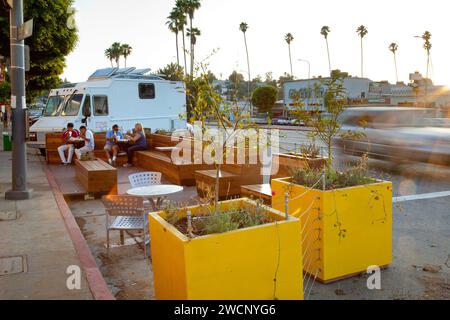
{"x":325,"y":31}
{"x":393,"y":47}
{"x":181,"y":24}
{"x":172,"y":24}
{"x":244,"y":27}
{"x":126,"y":51}
{"x":193,"y":34}
{"x":362,"y":32}
{"x":116,"y":49}
{"x":289,"y":38}
{"x":190,"y":6}
{"x":427,"y":46}
{"x":109,"y":54}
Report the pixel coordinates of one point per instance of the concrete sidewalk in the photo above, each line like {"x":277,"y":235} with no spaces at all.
{"x":34,"y":232}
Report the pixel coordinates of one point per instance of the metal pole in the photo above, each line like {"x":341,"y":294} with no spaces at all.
{"x":286,"y":205}
{"x":19,"y":189}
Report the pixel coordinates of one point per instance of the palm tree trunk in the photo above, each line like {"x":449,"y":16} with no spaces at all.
{"x":426,"y":81}
{"x":290,"y":60}
{"x":362,"y":59}
{"x":249,"y":77}
{"x":184,"y":51}
{"x":125,"y":61}
{"x":178,"y":53}
{"x":192,"y":51}
{"x":328,"y":53}
{"x":396,"y":70}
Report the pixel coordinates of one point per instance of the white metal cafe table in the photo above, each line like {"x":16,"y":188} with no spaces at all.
{"x":156,"y":195}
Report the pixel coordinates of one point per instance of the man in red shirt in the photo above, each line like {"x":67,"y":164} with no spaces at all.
{"x":66,"y":137}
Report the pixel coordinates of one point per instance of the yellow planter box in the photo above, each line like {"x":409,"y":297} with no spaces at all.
{"x":236,"y":265}
{"x":344,"y":231}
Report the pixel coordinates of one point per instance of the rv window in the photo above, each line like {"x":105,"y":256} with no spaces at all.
{"x":146,"y":91}
{"x":101,"y":106}
{"x":73,"y":105}
{"x":53,"y":106}
{"x":87,"y":106}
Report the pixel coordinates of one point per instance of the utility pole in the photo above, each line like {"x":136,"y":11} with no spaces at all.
{"x":19,"y":189}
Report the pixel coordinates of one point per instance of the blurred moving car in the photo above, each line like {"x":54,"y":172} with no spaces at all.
{"x":395,"y":134}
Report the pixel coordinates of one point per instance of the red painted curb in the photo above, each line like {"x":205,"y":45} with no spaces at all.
{"x":96,"y":282}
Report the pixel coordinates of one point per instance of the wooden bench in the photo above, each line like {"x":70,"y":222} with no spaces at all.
{"x":182,"y":174}
{"x":258,"y":192}
{"x":53,"y":141}
{"x":287,"y":162}
{"x":97,"y":177}
{"x":229,"y":183}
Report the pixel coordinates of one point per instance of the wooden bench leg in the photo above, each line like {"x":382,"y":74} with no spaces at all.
{"x":122,"y":237}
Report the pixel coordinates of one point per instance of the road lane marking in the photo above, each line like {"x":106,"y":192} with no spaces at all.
{"x":432,"y":195}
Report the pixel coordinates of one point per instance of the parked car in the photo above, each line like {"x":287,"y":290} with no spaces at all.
{"x":395,"y":134}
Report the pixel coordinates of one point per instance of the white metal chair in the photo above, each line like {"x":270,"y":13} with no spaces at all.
{"x":144,"y":179}
{"x":127,"y":213}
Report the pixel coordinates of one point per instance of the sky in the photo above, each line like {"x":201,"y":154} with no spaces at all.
{"x":141,"y":24}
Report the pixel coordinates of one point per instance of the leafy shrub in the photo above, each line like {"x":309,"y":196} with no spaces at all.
{"x":313,"y":178}
{"x":264,"y":98}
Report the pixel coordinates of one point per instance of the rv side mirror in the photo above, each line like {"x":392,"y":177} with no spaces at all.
{"x":84,"y":120}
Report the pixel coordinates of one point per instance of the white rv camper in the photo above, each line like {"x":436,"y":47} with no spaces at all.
{"x":113,"y":96}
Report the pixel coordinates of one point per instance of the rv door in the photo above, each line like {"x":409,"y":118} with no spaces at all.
{"x":101,"y":118}
{"x":87,"y":111}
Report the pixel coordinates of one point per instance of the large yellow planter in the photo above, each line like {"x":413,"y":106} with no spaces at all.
{"x":344,"y":231}
{"x":240,"y":264}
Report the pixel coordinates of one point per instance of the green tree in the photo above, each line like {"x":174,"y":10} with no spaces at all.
{"x":362,"y":32}
{"x":5,"y":91}
{"x":116,"y":49}
{"x":325,"y":31}
{"x":172,"y":72}
{"x":393,"y":47}
{"x":109,"y":55}
{"x":126,"y":50}
{"x":51,"y":42}
{"x":327,"y":128}
{"x":264,"y":98}
{"x":289,"y":38}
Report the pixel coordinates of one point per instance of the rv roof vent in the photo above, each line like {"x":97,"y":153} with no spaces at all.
{"x":67,"y":85}
{"x":103,"y":73}
{"x":123,"y":71}
{"x":141,"y":71}
{"x":137,"y":76}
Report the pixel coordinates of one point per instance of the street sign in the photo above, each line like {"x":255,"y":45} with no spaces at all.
{"x":25,"y":30}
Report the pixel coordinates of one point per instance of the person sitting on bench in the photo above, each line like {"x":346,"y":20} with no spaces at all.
{"x":66,"y":137}
{"x":89,"y":145}
{"x":138,"y":142}
{"x":111,"y":146}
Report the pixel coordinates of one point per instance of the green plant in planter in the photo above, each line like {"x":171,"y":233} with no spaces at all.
{"x":325,"y":129}
{"x":332,"y":179}
{"x":309,"y":150}
{"x":207,"y":103}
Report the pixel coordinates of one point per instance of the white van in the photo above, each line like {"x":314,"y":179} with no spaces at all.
{"x":113,"y":96}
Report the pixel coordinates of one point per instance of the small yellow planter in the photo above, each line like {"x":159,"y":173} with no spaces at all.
{"x":344,"y":231}
{"x":239,"y":265}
